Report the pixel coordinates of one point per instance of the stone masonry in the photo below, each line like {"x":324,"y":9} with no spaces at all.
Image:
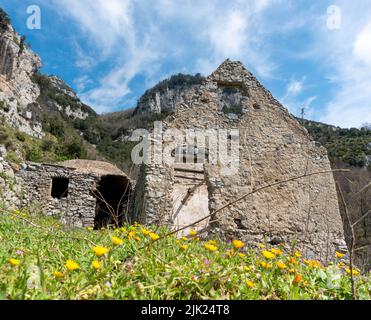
{"x":76,"y":204}
{"x":273,"y":147}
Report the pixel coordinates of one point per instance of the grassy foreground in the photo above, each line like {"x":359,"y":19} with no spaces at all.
{"x":42,"y":259}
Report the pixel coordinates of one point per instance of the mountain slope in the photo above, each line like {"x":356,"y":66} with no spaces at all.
{"x":348,"y":146}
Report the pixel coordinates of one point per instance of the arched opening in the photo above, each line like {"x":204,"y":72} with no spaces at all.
{"x":112,"y":196}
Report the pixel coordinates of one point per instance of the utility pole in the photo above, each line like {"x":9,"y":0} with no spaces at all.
{"x":302,"y":112}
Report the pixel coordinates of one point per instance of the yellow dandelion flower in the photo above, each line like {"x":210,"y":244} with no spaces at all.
{"x":184,"y":238}
{"x":238,"y":244}
{"x":192,"y":233}
{"x":281,"y":265}
{"x":339,"y":255}
{"x":14,"y":262}
{"x":276,"y":251}
{"x":313,"y":263}
{"x":297,"y":254}
{"x":72,"y":265}
{"x":211,"y":247}
{"x":58,"y":274}
{"x":261,"y":246}
{"x":154,"y":236}
{"x":268,"y":254}
{"x":241,"y":255}
{"x":137,"y":239}
{"x":212,"y":242}
{"x":247,"y":269}
{"x":266,"y":265}
{"x":100,"y":251}
{"x":355,"y":271}
{"x":117,"y":241}
{"x":96,"y":265}
{"x":131,"y":234}
{"x":297,"y":279}
{"x":341,"y":264}
{"x":145,"y":231}
{"x":89,"y":228}
{"x":292,"y":270}
{"x":184,"y":247}
{"x":249,"y":284}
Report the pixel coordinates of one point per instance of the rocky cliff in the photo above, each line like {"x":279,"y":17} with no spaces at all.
{"x":17,"y":90}
{"x":164,"y":96}
{"x":25,"y":95}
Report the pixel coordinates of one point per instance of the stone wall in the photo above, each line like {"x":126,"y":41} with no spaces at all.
{"x":78,"y":209}
{"x":273,"y":147}
{"x":153,"y":195}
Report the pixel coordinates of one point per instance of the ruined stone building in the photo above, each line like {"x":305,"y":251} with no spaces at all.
{"x":273,"y":147}
{"x":82,"y":193}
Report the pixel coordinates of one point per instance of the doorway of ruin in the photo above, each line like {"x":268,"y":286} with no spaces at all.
{"x":190,"y":197}
{"x":112,"y":198}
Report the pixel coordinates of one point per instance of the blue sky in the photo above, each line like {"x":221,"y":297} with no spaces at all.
{"x":306,"y":53}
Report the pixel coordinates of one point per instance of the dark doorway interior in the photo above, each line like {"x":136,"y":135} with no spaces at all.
{"x":112,"y":197}
{"x":59,"y":188}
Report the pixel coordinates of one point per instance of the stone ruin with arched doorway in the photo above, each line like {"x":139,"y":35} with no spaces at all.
{"x":82,"y":193}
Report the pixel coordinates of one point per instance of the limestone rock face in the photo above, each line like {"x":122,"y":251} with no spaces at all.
{"x":273,"y":147}
{"x":75,"y":109}
{"x":17,"y":90}
{"x":166,"y":95}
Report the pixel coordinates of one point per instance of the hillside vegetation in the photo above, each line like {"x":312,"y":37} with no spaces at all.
{"x":348,"y":146}
{"x":42,"y":259}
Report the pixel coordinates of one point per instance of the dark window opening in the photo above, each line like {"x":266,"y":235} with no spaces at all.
{"x":59,"y":188}
{"x":231,"y":99}
{"x":112,"y":196}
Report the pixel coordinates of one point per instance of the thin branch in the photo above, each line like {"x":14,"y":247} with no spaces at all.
{"x":351,"y":249}
{"x":361,"y":218}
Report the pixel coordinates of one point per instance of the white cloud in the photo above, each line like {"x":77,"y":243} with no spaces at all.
{"x":362,"y":45}
{"x":137,"y":37}
{"x":115,"y":40}
{"x":228,"y":34}
{"x":104,"y":22}
{"x":82,"y":82}
{"x":295,"y":87}
{"x":348,"y":57}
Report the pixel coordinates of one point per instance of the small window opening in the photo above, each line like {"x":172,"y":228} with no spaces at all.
{"x":59,"y":188}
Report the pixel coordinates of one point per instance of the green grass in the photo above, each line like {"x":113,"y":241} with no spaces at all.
{"x":169,"y":268}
